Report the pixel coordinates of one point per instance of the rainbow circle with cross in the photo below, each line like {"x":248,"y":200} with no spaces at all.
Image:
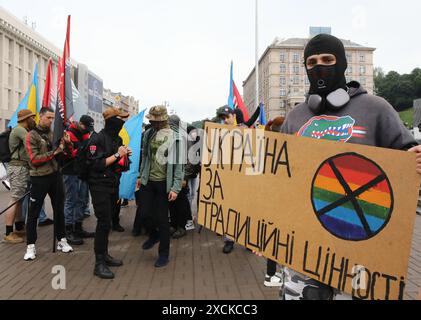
{"x":352,"y":197}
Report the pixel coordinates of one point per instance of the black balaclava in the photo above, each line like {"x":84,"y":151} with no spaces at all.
{"x":113,"y":126}
{"x":330,"y":77}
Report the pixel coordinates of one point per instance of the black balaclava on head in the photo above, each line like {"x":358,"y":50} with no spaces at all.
{"x":326,"y":79}
{"x":113,"y":126}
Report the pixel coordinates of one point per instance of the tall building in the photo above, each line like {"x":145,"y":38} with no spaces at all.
{"x":283,"y":80}
{"x":20,"y":49}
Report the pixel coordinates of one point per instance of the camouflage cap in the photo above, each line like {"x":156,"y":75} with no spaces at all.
{"x":158,"y":113}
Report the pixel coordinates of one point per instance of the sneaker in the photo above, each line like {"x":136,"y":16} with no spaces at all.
{"x":13,"y":238}
{"x":31,"y":253}
{"x":181,"y":232}
{"x":161,"y":262}
{"x":6,"y":184}
{"x":63,"y":246}
{"x":47,"y":222}
{"x":125,"y":203}
{"x":21,"y":233}
{"x":190,"y":225}
{"x":274,"y":281}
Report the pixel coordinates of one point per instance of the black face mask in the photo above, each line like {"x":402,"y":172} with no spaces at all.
{"x":322,"y":79}
{"x":326,"y":79}
{"x":114,"y":126}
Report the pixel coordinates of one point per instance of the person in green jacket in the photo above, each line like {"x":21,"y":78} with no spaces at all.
{"x":161,"y":177}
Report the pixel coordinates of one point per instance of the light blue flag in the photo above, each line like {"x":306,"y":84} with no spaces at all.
{"x":132,"y":137}
{"x":231,"y":94}
{"x":30,"y":101}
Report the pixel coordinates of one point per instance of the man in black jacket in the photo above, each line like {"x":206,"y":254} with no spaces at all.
{"x":107,"y":158}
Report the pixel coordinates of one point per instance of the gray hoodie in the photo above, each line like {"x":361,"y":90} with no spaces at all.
{"x":366,"y":119}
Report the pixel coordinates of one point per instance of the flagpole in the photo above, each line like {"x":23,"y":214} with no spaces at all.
{"x":257,"y":55}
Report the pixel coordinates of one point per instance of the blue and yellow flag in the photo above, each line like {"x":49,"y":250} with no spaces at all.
{"x":132,"y":138}
{"x":30,"y":102}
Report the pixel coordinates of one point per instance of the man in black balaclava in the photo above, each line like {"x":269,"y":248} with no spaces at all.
{"x":341,"y":112}
{"x":106,"y":159}
{"x":325,"y":62}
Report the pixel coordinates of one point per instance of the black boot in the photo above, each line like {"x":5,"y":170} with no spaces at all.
{"x":101,"y":269}
{"x":112,"y":262}
{"x":72,"y":237}
{"x":82,"y":233}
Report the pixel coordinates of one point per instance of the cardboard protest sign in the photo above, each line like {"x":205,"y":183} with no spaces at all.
{"x":340,"y":213}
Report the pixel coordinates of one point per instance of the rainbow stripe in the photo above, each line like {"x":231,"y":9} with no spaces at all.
{"x":375,"y":203}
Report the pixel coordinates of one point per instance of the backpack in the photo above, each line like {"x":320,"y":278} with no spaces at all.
{"x":5,"y":154}
{"x":81,"y":160}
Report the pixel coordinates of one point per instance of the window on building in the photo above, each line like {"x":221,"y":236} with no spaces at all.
{"x":9,"y":99}
{"x":363,"y":81}
{"x":21,"y":55}
{"x":296,"y":69}
{"x":11,"y":45}
{"x":283,"y":81}
{"x":296,"y":57}
{"x":30,"y":60}
{"x":283,"y":68}
{"x":362,"y":70}
{"x":296,"y":80}
{"x":283,"y":92}
{"x":296,"y":90}
{"x":282,"y":57}
{"x":362,"y":58}
{"x":10,"y":75}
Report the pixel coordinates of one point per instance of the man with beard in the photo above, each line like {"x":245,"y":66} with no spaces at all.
{"x":353,"y":116}
{"x":46,"y":179}
{"x":107,"y":158}
{"x":18,"y":173}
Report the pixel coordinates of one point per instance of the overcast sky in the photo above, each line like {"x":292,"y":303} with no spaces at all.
{"x":180,"y":50}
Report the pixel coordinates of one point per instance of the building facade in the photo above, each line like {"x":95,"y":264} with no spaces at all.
{"x":20,"y":49}
{"x":118,"y":100}
{"x":283,"y":79}
{"x":91,"y":90}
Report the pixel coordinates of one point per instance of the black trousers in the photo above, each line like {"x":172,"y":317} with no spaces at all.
{"x":40,"y":187}
{"x":154,"y":199}
{"x":271,"y":267}
{"x":180,"y":210}
{"x":138,"y":221}
{"x":105,"y":203}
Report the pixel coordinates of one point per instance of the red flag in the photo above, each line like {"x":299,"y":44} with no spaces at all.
{"x":49,"y":90}
{"x":65,"y":98}
{"x":64,"y":110}
{"x":239,"y":103}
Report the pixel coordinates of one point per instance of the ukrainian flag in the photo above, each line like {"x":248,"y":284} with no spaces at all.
{"x":30,"y":102}
{"x":132,"y":138}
